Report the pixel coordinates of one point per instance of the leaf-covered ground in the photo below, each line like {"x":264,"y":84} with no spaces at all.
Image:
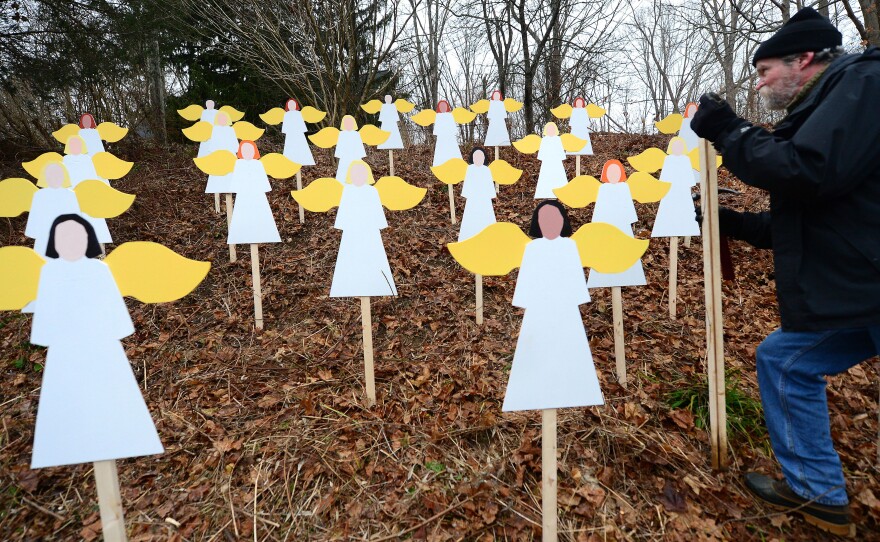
{"x":267,"y":435}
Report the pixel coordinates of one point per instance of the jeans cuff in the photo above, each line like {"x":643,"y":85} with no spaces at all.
{"x":817,"y":500}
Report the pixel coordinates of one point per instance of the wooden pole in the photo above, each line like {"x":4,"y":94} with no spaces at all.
{"x":714,"y":324}
{"x":258,"y":292}
{"x":687,"y":241}
{"x":479,"y":285}
{"x":673,"y":276}
{"x":232,"y":255}
{"x":451,"y":201}
{"x":577,"y":165}
{"x":369,"y":375}
{"x":217,"y":203}
{"x":299,"y":186}
{"x":548,"y":475}
{"x":391,"y":162}
{"x":619,"y":345}
{"x":497,"y":157}
{"x":110,"y":501}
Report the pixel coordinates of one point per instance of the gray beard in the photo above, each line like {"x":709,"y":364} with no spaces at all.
{"x":779,"y":99}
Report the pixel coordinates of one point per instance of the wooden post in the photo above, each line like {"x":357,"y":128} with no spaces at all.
{"x":497,"y":157}
{"x":217,"y":203}
{"x":369,"y":376}
{"x":548,"y":475}
{"x":110,"y":501}
{"x":619,"y":345}
{"x":479,"y":286}
{"x":714,"y":324}
{"x":577,"y":165}
{"x":258,"y":292}
{"x":299,"y":186}
{"x":232,"y":255}
{"x":687,"y":241}
{"x":673,"y":276}
{"x":451,"y":188}
{"x":391,"y":162}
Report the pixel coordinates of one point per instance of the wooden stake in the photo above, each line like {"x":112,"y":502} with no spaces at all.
{"x":577,"y":165}
{"x":391,"y":162}
{"x":673,"y":276}
{"x":619,"y":345}
{"x":258,"y":291}
{"x":548,"y":474}
{"x":299,"y":186}
{"x":451,"y":201}
{"x":110,"y":501}
{"x":369,"y":376}
{"x":479,"y":285}
{"x":687,"y":241}
{"x":714,"y":324}
{"x":217,"y":203}
{"x":232,"y":255}
{"x":497,"y":157}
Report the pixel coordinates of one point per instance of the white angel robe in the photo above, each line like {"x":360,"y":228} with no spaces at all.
{"x":296,"y":147}
{"x":80,"y":168}
{"x":208,"y":115}
{"x":252,"y":220}
{"x":389,"y":119}
{"x":446,"y":147}
{"x":614,"y":206}
{"x":552,"y":174}
{"x":349,"y":147}
{"x":687,"y":133}
{"x":91,"y":408}
{"x":223,"y":138}
{"x":47,"y":205}
{"x":580,"y":127}
{"x":497,"y":134}
{"x":676,"y":215}
{"x":552,"y":366}
{"x":92,"y":139}
{"x":478,"y":189}
{"x":361,"y":265}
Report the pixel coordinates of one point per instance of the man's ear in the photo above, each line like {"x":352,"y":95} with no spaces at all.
{"x":807,"y":58}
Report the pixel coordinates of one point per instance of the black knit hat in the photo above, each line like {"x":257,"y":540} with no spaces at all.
{"x":807,"y":30}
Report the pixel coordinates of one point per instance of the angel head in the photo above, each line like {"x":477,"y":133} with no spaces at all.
{"x":55,"y":175}
{"x":478,"y":156}
{"x":209,"y":104}
{"x":348,"y":124}
{"x":550,"y":129}
{"x":247,"y":150}
{"x":690,"y":109}
{"x":388,"y":98}
{"x":550,"y":220}
{"x":75,"y":145}
{"x":613,"y":172}
{"x":580,"y":102}
{"x":496,"y":95}
{"x":87,"y":121}
{"x":677,"y":146}
{"x":443,"y":107}
{"x":291,"y":105}
{"x":71,"y":237}
{"x":359,"y":174}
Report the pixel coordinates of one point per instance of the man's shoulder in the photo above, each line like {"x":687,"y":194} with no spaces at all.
{"x":868,"y":60}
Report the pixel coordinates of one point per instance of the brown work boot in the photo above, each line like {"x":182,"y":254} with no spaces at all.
{"x":777,"y":494}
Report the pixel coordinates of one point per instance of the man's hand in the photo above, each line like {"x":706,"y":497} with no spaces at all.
{"x":713,"y":117}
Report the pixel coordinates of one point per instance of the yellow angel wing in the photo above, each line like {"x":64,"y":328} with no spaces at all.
{"x":200,"y":131}
{"x":234,"y":114}
{"x":529,"y":144}
{"x":481,"y":107}
{"x":326,"y":138}
{"x":572,"y":143}
{"x":63,"y":133}
{"x":671,"y":124}
{"x":320,"y":195}
{"x":579,"y":192}
{"x":111,"y":132}
{"x":216,"y":163}
{"x":649,"y":160}
{"x":694,"y":155}
{"x":273,"y":116}
{"x":312,"y":115}
{"x":371,"y":135}
{"x":279,"y":166}
{"x":404,"y":106}
{"x":504,"y":173}
{"x":606,"y":249}
{"x":98,"y":199}
{"x":111,"y":167}
{"x":511,"y":105}
{"x":452,"y":171}
{"x":19,"y":277}
{"x":36,"y":166}
{"x":462,"y":115}
{"x":398,"y":195}
{"x":244,"y":130}
{"x":495,"y":251}
{"x":425,"y":117}
{"x":595,"y":112}
{"x":191,"y":112}
{"x":372,"y":107}
{"x":562,"y":112}
{"x":153,"y":273}
{"x":645,"y":188}
{"x":16,"y":195}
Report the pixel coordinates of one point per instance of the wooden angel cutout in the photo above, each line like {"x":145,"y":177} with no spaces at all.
{"x":208,"y":115}
{"x":92,"y":134}
{"x":349,"y":142}
{"x":389,"y":118}
{"x":91,"y":408}
{"x":551,"y":151}
{"x":579,"y":121}
{"x":496,"y":109}
{"x":362,"y":268}
{"x":552,"y":365}
{"x":444,"y":119}
{"x":682,"y":124}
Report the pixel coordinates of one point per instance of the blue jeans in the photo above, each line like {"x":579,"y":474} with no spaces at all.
{"x":791,"y":374}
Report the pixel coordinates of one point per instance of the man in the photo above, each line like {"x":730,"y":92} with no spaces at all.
{"x":821,"y":166}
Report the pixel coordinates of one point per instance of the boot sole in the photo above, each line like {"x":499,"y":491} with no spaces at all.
{"x":848,"y":530}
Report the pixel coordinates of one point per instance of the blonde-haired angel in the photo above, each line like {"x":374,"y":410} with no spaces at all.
{"x":445,"y":120}
{"x":349,"y":142}
{"x":207,"y":114}
{"x":82,"y":166}
{"x":496,"y":109}
{"x":293,"y":119}
{"x":551,"y":151}
{"x":92,"y":134}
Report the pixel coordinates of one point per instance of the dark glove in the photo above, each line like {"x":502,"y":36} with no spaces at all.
{"x":729,"y":221}
{"x":713,"y":118}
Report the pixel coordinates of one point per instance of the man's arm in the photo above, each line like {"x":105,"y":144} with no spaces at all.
{"x":753,"y":228}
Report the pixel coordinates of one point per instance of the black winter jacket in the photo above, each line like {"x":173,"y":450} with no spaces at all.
{"x":821,"y":166}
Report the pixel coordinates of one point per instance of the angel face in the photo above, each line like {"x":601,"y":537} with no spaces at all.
{"x":348,"y":123}
{"x":71,"y":240}
{"x":388,"y":98}
{"x":579,"y":102}
{"x":550,"y":129}
{"x":690,"y":109}
{"x":358,"y":174}
{"x":613,"y":172}
{"x":496,"y":95}
{"x":478,"y":157}
{"x":291,"y":105}
{"x":54,"y":175}
{"x":550,"y":221}
{"x":75,"y":146}
{"x":87,"y":121}
{"x":209,"y":104}
{"x":443,"y":107}
{"x":247,"y":150}
{"x":222,"y":119}
{"x":676,"y":146}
